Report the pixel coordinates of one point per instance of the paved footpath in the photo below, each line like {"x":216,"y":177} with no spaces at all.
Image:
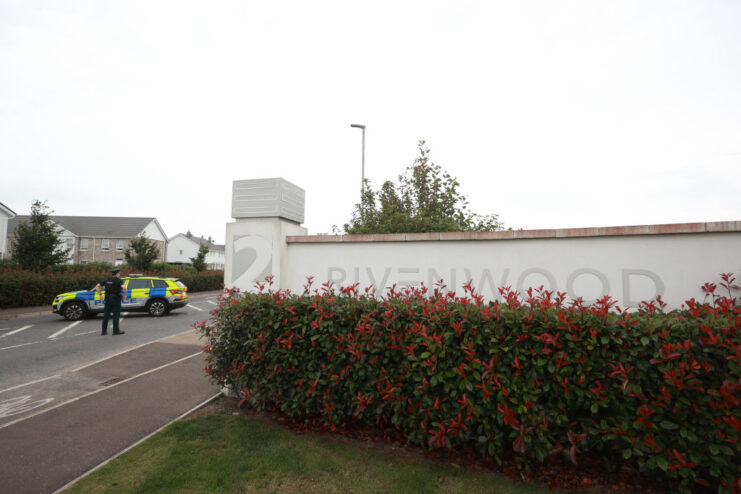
{"x":141,"y":391}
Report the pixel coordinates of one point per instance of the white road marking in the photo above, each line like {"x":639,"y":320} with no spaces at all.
{"x":18,"y":346}
{"x":86,"y":332}
{"x":64,"y":329}
{"x":28,"y":384}
{"x":89,"y":364}
{"x":194,"y":307}
{"x":16,"y":331}
{"x":20,"y":404}
{"x":211,"y":302}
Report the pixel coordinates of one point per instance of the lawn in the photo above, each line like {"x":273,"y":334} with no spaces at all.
{"x":244,"y":454}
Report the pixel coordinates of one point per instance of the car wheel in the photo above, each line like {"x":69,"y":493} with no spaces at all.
{"x":157,"y":308}
{"x":74,"y":311}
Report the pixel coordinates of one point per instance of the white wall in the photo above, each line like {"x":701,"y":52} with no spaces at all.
{"x":181,"y":243}
{"x":68,"y":241}
{"x":215,"y":259}
{"x":3,"y":233}
{"x":630,"y":268}
{"x":630,"y":264}
{"x":153,"y":232}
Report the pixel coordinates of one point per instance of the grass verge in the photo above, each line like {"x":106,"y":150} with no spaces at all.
{"x":240,"y":454}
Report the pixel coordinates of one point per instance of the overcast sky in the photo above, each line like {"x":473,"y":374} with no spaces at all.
{"x":550,"y":113}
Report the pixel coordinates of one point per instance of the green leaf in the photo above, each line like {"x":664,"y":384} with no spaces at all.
{"x":425,"y":355}
{"x":714,"y":449}
{"x":665,"y":424}
{"x":662,"y":463}
{"x":645,"y":341}
{"x":627,"y":453}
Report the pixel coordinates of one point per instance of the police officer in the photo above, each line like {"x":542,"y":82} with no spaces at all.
{"x":114,"y":292}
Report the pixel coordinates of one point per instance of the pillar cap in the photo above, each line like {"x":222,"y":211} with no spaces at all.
{"x":268,"y":198}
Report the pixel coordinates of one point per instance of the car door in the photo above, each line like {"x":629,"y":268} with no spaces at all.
{"x":94,"y":302}
{"x":137,"y":292}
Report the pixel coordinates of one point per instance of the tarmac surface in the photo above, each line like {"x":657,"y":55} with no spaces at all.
{"x":142,"y":391}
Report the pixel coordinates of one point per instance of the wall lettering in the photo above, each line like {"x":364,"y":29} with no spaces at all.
{"x":628,"y":295}
{"x":579,"y":272}
{"x":521,"y":286}
{"x":634,"y":281}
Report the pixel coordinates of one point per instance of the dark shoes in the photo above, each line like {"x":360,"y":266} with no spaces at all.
{"x":103,"y":333}
{"x":120,"y":332}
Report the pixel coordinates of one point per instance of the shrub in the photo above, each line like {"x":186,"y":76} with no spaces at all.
{"x":103,"y":267}
{"x":530,"y":377}
{"x":205,"y":280}
{"x":8,"y":263}
{"x":22,"y":288}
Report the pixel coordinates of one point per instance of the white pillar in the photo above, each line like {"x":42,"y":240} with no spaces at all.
{"x":266,"y":212}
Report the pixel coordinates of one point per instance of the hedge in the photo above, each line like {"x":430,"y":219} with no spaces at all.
{"x":530,"y":376}
{"x":21,"y":288}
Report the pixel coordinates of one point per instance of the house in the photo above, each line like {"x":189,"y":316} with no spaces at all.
{"x":5,"y":214}
{"x":100,"y":239}
{"x":184,"y":246}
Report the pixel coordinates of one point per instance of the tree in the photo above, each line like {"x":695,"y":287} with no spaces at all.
{"x":142,"y":253}
{"x":199,"y":262}
{"x":425,"y":199}
{"x":37,"y":244}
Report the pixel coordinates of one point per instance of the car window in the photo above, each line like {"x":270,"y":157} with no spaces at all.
{"x":137,"y":283}
{"x":159,"y":283}
{"x":180,"y":283}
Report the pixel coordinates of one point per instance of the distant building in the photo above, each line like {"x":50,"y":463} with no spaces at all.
{"x":100,"y":239}
{"x":5,"y":214}
{"x":184,"y":246}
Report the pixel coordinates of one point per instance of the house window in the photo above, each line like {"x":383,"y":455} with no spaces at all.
{"x":118,"y":262}
{"x":70,"y":244}
{"x":119,"y":245}
{"x":105,"y":244}
{"x":181,"y":251}
{"x":84,"y":243}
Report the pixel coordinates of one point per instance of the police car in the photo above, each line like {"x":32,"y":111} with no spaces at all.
{"x":151,"y":294}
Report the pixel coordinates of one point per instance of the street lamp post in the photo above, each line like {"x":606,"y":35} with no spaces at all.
{"x":362,"y":169}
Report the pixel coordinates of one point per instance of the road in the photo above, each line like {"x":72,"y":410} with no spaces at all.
{"x":46,"y":361}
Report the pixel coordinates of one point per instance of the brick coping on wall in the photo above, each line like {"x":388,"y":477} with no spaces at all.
{"x":605,"y":231}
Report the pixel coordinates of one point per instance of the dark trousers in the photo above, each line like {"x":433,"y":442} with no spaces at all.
{"x":112,"y":309}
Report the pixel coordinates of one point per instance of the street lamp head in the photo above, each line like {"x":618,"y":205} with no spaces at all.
{"x":357,"y":126}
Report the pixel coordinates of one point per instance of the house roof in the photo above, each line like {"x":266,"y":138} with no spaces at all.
{"x":93,"y":226}
{"x":7,"y":210}
{"x":200,"y":241}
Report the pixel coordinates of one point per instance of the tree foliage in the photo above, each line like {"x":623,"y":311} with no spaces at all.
{"x":37,"y":244}
{"x":425,"y":199}
{"x":142,"y":253}
{"x":199,"y":262}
